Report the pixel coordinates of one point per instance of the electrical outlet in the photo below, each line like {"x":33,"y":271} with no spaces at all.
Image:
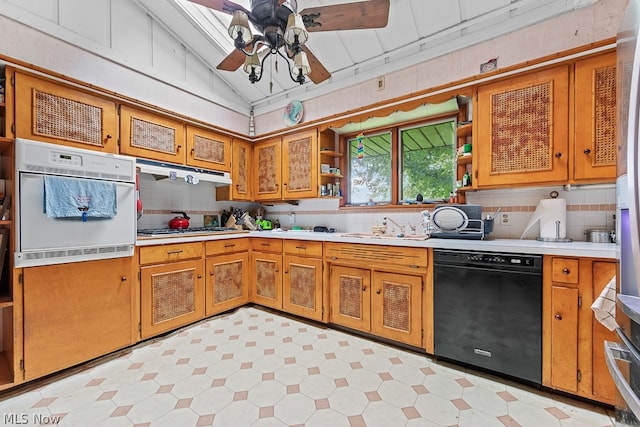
{"x":292,"y":218}
{"x":380,"y":83}
{"x":505,"y":218}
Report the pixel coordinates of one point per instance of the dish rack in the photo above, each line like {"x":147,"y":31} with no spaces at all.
{"x":475,"y":229}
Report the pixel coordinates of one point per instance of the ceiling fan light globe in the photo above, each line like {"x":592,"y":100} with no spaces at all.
{"x":295,"y":27}
{"x":252,"y":64}
{"x":300,"y":65}
{"x":239,"y":27}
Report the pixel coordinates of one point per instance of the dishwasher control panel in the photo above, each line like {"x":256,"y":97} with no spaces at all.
{"x":488,"y":259}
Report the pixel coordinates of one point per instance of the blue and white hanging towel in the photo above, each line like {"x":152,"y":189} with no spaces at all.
{"x":79,"y":198}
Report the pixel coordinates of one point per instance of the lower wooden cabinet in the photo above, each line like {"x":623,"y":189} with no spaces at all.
{"x":76,"y":312}
{"x":382,"y":303}
{"x":266,"y":272}
{"x":287,"y":275}
{"x":378,"y":290}
{"x":396,"y":304}
{"x":171,"y":295}
{"x":573,"y":339}
{"x":302,"y":286}
{"x":227,"y":284}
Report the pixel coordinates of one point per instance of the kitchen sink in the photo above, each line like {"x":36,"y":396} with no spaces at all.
{"x":387,"y":236}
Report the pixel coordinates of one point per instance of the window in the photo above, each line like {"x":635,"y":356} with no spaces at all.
{"x":370,"y":169}
{"x":419,"y":159}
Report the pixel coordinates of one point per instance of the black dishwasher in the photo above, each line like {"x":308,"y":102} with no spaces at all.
{"x":488,"y":311}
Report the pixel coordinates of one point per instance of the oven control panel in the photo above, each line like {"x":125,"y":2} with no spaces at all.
{"x":66,"y":159}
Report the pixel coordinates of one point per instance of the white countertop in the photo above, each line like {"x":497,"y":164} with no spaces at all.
{"x":582,"y":249}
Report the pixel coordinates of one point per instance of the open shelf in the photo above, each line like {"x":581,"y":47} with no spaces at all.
{"x":463,"y":160}
{"x":330,"y":175}
{"x":464,"y":130}
{"x":5,"y":301}
{"x":330,"y":153}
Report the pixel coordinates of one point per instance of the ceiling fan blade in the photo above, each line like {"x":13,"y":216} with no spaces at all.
{"x":236,"y":58}
{"x":318,"y":73}
{"x":233,"y":61}
{"x":225,"y":6}
{"x":347,"y":16}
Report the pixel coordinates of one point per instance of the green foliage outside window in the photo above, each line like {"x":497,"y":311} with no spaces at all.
{"x":426,"y":165}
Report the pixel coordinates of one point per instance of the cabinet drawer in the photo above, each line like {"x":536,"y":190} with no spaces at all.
{"x":376,"y":255}
{"x":168,"y":253}
{"x":303,"y":247}
{"x":215,"y":247}
{"x":564,"y":270}
{"x":266,"y":245}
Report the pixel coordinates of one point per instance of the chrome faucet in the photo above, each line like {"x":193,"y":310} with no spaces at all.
{"x":386,"y":218}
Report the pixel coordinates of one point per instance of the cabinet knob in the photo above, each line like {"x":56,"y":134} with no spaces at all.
{"x":123,"y":279}
{"x":558,"y":155}
{"x":276,"y":270}
{"x":109,"y":136}
{"x":566,"y":271}
{"x":364,"y":288}
{"x":558,"y":316}
{"x":378,"y":291}
{"x":587,"y":151}
{"x":199,"y":276}
{"x":286,"y":271}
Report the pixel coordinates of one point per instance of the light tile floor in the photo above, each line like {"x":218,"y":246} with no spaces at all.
{"x":256,"y":368}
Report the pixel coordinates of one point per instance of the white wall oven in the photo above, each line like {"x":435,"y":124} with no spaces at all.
{"x":73,"y":204}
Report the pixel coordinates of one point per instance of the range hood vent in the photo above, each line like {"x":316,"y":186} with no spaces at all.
{"x":161,"y":170}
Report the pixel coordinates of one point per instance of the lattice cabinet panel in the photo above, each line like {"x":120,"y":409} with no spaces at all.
{"x":241,"y":171}
{"x":172,"y":295}
{"x":396,"y":307}
{"x":350,"y":296}
{"x":523,"y":129}
{"x":266,"y":279}
{"x":152,"y":136}
{"x":227,"y":283}
{"x":300,"y":165}
{"x":208,"y":149}
{"x":596,"y":118}
{"x":53,"y":112}
{"x":267,"y":162}
{"x":302,"y":286}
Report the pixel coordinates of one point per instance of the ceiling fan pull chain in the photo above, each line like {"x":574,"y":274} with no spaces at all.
{"x":271,"y":74}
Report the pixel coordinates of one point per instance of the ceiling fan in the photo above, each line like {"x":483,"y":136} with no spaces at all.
{"x":284,"y":31}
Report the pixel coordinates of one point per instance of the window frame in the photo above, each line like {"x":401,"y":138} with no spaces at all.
{"x":396,"y":160}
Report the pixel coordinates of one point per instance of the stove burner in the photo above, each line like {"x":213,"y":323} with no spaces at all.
{"x":192,"y":230}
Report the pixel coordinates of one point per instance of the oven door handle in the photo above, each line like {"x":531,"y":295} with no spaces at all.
{"x":618,"y":351}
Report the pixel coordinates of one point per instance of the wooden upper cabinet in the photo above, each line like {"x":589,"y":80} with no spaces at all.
{"x":595,"y":119}
{"x":241,"y":170}
{"x":152,"y":136}
{"x":53,"y":112}
{"x":523,"y":129}
{"x":208,"y":150}
{"x":267,"y":160}
{"x":300,"y":165}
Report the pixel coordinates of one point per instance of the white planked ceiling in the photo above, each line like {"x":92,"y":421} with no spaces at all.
{"x":417,"y":31}
{"x":180,"y":40}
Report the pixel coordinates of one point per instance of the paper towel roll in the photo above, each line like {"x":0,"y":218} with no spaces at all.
{"x":547,"y":213}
